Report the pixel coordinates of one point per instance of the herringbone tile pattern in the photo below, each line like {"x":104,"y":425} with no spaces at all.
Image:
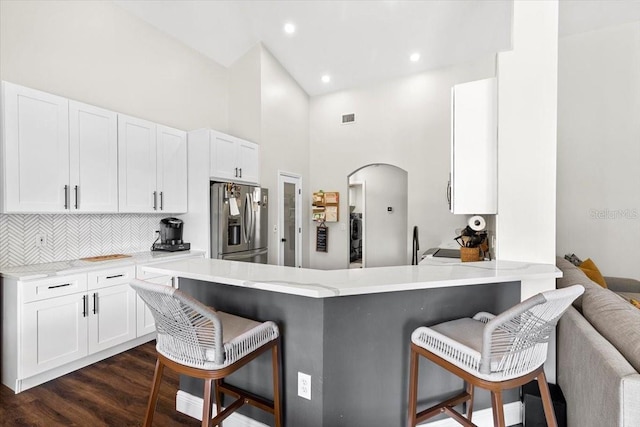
{"x":73,"y":236}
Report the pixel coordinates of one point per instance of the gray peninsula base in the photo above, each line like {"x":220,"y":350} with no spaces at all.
{"x":356,"y":349}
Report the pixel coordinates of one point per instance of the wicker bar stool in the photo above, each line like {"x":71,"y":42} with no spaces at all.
{"x":491,"y":352}
{"x":197,"y":341}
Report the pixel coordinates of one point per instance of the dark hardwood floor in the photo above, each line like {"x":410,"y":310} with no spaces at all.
{"x":112,"y":392}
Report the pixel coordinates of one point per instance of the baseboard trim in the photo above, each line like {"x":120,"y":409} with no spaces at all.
{"x":484,"y":417}
{"x":191,"y":405}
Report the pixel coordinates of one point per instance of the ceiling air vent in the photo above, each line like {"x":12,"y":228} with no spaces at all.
{"x":348,"y":118}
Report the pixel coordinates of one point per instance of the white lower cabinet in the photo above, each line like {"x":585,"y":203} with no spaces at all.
{"x":54,"y":332}
{"x":60,"y":329}
{"x":112,"y":319}
{"x":54,"y":325}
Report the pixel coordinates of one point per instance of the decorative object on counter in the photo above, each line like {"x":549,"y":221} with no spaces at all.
{"x":105,"y":257}
{"x":474,"y":245}
{"x":325,"y":206}
{"x":322,"y":234}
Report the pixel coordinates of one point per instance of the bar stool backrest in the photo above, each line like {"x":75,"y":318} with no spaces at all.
{"x":515,"y":342}
{"x":189,"y":332}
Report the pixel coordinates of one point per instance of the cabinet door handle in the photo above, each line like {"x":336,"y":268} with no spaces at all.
{"x":85,"y":307}
{"x":59,"y":286}
{"x":236,"y":172}
{"x":95,"y":302}
{"x":76,"y":196}
{"x":114,"y":276}
{"x":449,"y":193}
{"x":66,"y":197}
{"x":155,"y":200}
{"x":161,"y":201}
{"x":240,"y":172}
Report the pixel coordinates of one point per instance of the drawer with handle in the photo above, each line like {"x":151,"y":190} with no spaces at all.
{"x":112,"y":276}
{"x":40,"y":289}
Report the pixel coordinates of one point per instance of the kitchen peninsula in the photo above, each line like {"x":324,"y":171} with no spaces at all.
{"x":350,"y":329}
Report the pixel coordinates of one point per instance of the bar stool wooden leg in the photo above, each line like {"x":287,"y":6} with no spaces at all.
{"x":277,"y":408}
{"x":413,"y":388}
{"x":153,"y":397}
{"x":206,"y":403}
{"x":498,"y":410}
{"x":547,"y":404}
{"x":218,"y":395}
{"x":470,"y":390}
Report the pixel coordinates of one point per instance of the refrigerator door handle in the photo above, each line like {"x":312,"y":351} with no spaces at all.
{"x":248,"y":216}
{"x":245,"y":255}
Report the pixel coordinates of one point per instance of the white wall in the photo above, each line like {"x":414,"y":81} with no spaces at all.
{"x":245,"y":96}
{"x":267,"y":106}
{"x":527,"y":104}
{"x":404,"y":122}
{"x":95,"y":52}
{"x":284,"y":141}
{"x":598,"y":194}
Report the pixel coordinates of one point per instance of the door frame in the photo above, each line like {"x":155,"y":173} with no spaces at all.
{"x":362,"y":185}
{"x":291,"y":178}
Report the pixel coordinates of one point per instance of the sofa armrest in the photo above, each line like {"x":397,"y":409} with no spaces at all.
{"x":623,"y":284}
{"x":598,"y":383}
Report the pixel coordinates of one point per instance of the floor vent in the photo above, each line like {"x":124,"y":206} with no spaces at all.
{"x":348,"y":118}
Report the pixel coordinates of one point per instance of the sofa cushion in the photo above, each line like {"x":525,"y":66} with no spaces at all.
{"x":572,"y":275}
{"x":616,"y":320}
{"x":591,"y":270}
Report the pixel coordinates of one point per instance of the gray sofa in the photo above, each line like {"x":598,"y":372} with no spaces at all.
{"x":599,"y":352}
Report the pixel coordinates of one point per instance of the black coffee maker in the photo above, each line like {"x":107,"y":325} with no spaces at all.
{"x":171,"y":236}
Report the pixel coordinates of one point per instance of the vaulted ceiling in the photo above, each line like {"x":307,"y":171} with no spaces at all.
{"x":357,"y":43}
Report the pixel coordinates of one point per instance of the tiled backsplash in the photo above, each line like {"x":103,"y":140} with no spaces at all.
{"x":73,"y":236}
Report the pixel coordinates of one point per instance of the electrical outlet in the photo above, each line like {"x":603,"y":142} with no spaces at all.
{"x":41,"y":240}
{"x":304,"y":385}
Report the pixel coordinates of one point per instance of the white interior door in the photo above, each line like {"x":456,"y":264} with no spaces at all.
{"x":289,"y":219}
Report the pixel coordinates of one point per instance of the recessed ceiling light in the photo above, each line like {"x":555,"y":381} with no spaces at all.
{"x":415,"y":57}
{"x":326,"y":78}
{"x":289,"y":28}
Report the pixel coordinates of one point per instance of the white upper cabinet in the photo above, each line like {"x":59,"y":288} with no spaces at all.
{"x":35,"y":141}
{"x":234,"y":159}
{"x":93,"y":151}
{"x":136,"y":165}
{"x":474,"y":146}
{"x":152,"y":167}
{"x":172,"y":169}
{"x":224,"y":153}
{"x":249,"y":161}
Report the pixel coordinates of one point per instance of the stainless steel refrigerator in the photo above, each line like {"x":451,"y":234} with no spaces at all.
{"x":239,"y":222}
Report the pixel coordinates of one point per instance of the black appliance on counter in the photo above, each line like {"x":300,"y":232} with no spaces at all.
{"x":171,"y":236}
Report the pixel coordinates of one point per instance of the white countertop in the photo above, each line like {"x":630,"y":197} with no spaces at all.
{"x":40,"y":271}
{"x":431,"y":273}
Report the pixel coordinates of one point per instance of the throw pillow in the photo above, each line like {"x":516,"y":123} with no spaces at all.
{"x":635,"y":302}
{"x":592,"y":272}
